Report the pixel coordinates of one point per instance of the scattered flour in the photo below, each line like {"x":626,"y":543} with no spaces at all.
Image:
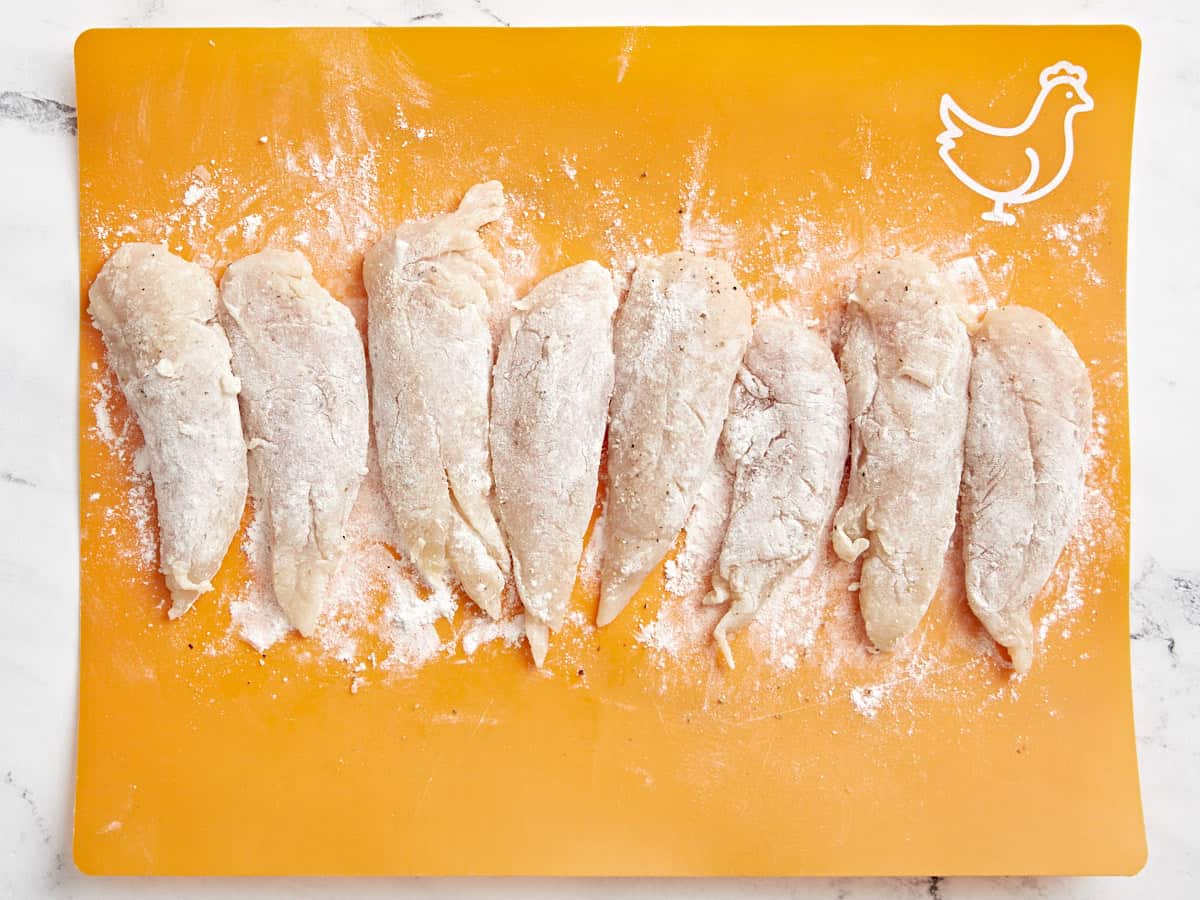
{"x":251,"y":226}
{"x":101,"y":412}
{"x":319,"y":196}
{"x":380,"y":618}
{"x":703,"y":231}
{"x":373,"y":596}
{"x":412,"y":622}
{"x":136,"y":510}
{"x":196,"y":192}
{"x":1090,"y":542}
{"x":1070,"y":602}
{"x":867,"y":700}
{"x":259,"y":624}
{"x":1080,"y":240}
{"x":510,"y":631}
{"x":628,"y":45}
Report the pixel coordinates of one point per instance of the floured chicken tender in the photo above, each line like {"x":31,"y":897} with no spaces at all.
{"x":158,"y":316}
{"x":550,"y":393}
{"x":1029,"y":419}
{"x":905,"y":359}
{"x":429,"y":285}
{"x":678,"y":339}
{"x":785,"y":445}
{"x":304,"y":404}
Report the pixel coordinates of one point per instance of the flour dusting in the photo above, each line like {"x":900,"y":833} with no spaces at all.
{"x":372,"y":597}
{"x":627,"y":47}
{"x":324,"y":197}
{"x":259,"y":624}
{"x":703,"y":231}
{"x":510,"y":632}
{"x":1080,"y":240}
{"x":412,"y":622}
{"x":867,"y":699}
{"x":136,"y":509}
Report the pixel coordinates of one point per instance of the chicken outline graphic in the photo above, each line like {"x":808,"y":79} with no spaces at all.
{"x":1063,"y":79}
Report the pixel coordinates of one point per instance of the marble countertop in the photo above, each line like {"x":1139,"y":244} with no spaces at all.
{"x":38,"y":502}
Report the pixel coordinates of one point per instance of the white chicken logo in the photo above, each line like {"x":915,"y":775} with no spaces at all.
{"x":1062,"y":98}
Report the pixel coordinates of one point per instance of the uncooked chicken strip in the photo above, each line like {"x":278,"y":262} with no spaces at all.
{"x":429,"y":285}
{"x":785,"y":445}
{"x":905,"y":359}
{"x":550,"y":393}
{"x":678,"y":341}
{"x":1030,"y":416}
{"x":299,"y":356}
{"x":158,"y":316}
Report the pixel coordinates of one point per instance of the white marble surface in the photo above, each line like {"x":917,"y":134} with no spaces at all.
{"x":38,"y":534}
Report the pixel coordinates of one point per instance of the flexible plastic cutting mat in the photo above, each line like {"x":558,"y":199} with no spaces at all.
{"x":410,"y":739}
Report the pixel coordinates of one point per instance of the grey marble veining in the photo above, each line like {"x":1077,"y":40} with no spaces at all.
{"x":39,"y":587}
{"x":37,"y":113}
{"x":491,"y":14}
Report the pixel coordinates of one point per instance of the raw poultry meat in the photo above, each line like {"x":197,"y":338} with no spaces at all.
{"x":784,"y":443}
{"x":158,"y":316}
{"x":299,"y":356}
{"x":550,"y":391}
{"x":429,"y":287}
{"x":1030,"y":415}
{"x":906,"y":358}
{"x":678,"y":341}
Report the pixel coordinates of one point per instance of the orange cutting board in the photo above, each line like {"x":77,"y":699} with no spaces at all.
{"x":790,"y":151}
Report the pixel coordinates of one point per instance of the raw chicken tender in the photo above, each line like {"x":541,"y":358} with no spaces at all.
{"x":550,"y":392}
{"x":678,"y":340}
{"x":429,"y":285}
{"x":300,"y":359}
{"x":906,"y":360}
{"x":785,"y":445}
{"x":158,"y":316}
{"x":1029,"y":419}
